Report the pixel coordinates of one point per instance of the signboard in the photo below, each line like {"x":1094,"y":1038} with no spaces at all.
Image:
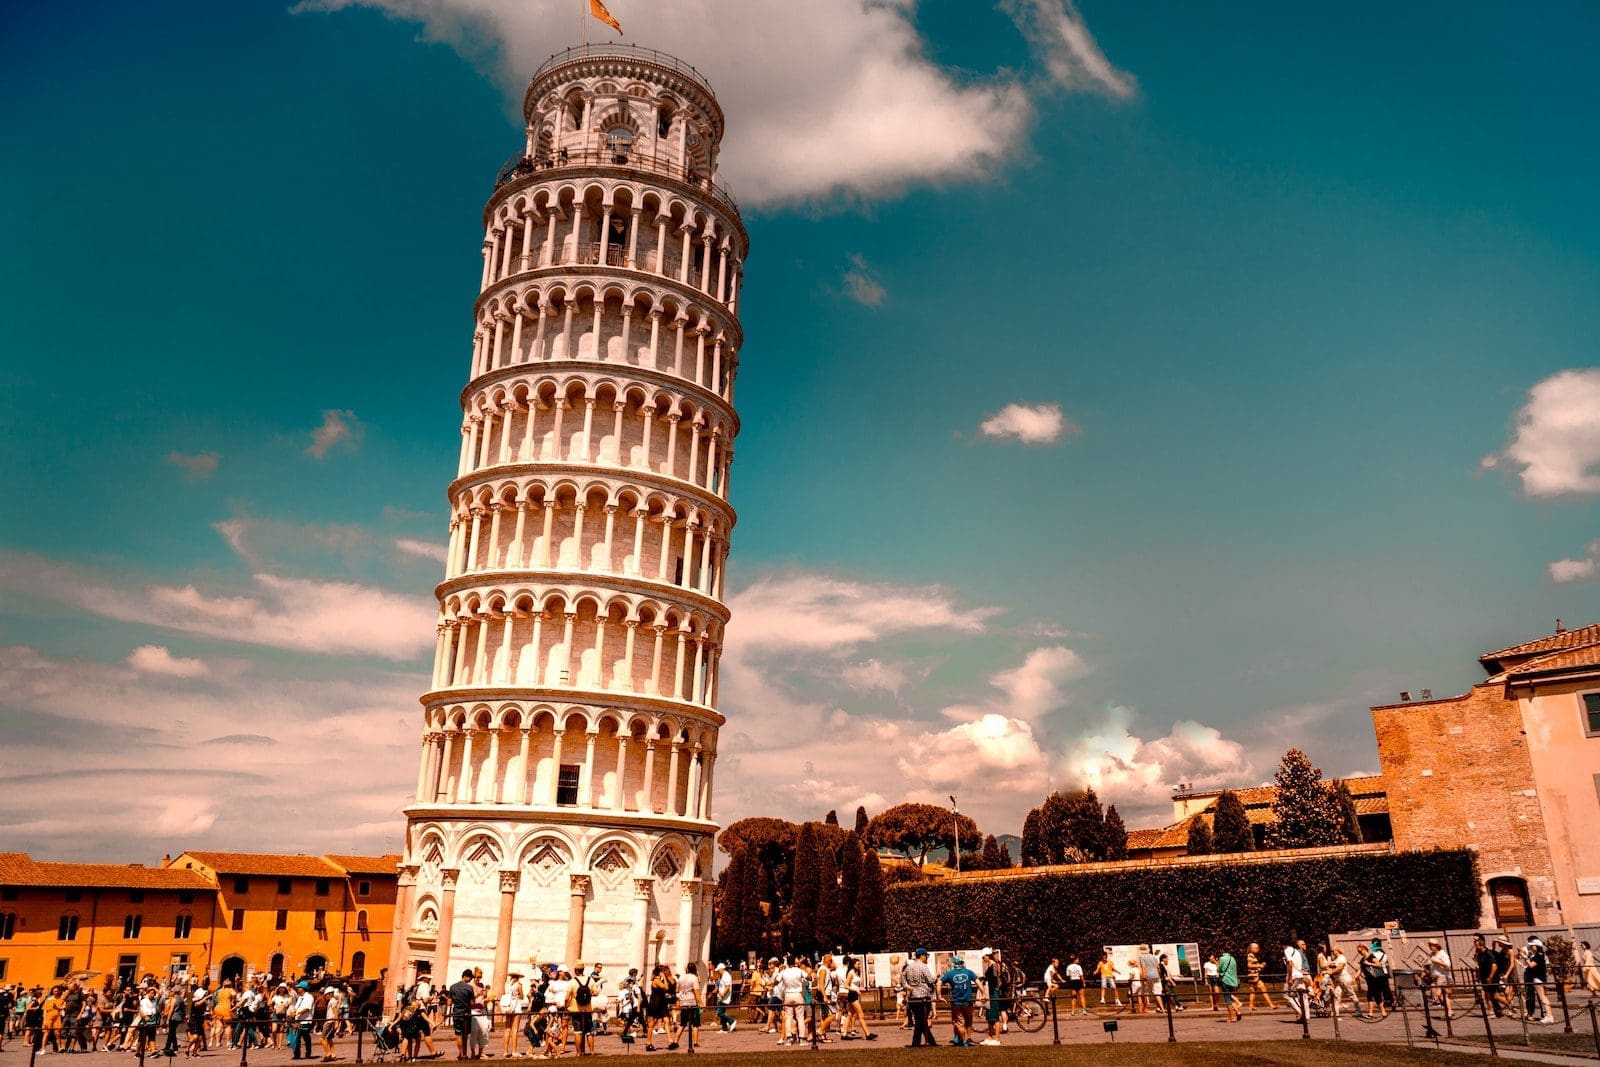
{"x":1588,"y":885}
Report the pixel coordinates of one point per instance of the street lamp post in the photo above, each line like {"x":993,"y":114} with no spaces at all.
{"x":956,"y":813}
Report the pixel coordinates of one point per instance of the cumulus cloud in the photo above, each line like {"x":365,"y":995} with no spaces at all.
{"x":826,"y":99}
{"x":156,"y":659}
{"x":1139,"y":773}
{"x":1555,"y":444}
{"x":198,"y":465}
{"x":802,"y":610}
{"x":861,"y":285}
{"x":990,"y":743}
{"x":874,"y":674}
{"x":338,"y":428}
{"x":301,"y":614}
{"x":426,"y":549}
{"x":1059,"y":36}
{"x":1031,"y":424}
{"x":1577,"y":570}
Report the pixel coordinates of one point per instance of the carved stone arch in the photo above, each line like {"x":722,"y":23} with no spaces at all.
{"x":669,"y":859}
{"x":545,"y":857}
{"x":612,"y":859}
{"x":479,"y":854}
{"x":425,"y":916}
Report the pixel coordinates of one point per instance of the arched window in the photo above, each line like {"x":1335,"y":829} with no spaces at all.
{"x":619,"y":142}
{"x":358,"y":965}
{"x":361,"y":920}
{"x":232,"y":968}
{"x":277,"y":965}
{"x":8,"y":925}
{"x":1510,"y":899}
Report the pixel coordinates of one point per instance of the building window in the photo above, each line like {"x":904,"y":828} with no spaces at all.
{"x":358,"y":965}
{"x":238,"y":919}
{"x":179,"y":965}
{"x":241,"y":885}
{"x":283,"y":919}
{"x":67,"y":928}
{"x":8,"y":925}
{"x":1510,"y":899}
{"x":323,"y":887}
{"x":136,"y":896}
{"x":182,"y":926}
{"x":63,"y":966}
{"x":567,"y":785}
{"x":363,"y":889}
{"x":1591,"y":714}
{"x":3,"y":966}
{"x":131,"y":925}
{"x":320,"y":921}
{"x":127,"y":970}
{"x":285,"y":887}
{"x":361,"y":921}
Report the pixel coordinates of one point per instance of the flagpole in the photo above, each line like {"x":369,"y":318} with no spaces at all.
{"x":583,"y":19}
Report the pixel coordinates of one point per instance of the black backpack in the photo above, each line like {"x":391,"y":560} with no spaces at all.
{"x":583,"y":994}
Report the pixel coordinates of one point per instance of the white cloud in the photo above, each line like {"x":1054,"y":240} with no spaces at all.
{"x":1031,"y":424}
{"x":303,"y":614}
{"x":1138,"y":775}
{"x":799,"y":610}
{"x":861,"y":285}
{"x":872,"y":674}
{"x":338,"y":427}
{"x":1034,"y":687}
{"x":198,"y":465}
{"x":1061,"y":38}
{"x":156,"y":659}
{"x":967,"y":752}
{"x":426,"y":549}
{"x":1578,"y":570}
{"x":826,"y":99}
{"x":1555,"y":447}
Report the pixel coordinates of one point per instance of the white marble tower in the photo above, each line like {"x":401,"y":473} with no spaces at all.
{"x":563,"y":803}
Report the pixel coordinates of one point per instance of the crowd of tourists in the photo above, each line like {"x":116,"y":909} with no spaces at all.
{"x":184,"y":1015}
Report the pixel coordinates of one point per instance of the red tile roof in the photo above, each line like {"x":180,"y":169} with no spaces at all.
{"x":1145,"y":838}
{"x":1570,"y":659}
{"x":18,"y":868}
{"x":379,"y":865}
{"x":1583,"y":635}
{"x":263,"y":863}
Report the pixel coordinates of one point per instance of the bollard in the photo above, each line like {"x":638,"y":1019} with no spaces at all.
{"x":143,"y":1037}
{"x":1566,"y":1015}
{"x":1522,"y":1005}
{"x":244,"y":1054}
{"x":1400,"y":1002}
{"x":1303,"y":999}
{"x":1337,"y":1000}
{"x":359,"y":1024}
{"x":812,"y":1012}
{"x":1055,"y":1021}
{"x":1594,"y":1028}
{"x":1427,"y":1018}
{"x":1488,"y":1029}
{"x":1166,"y":996}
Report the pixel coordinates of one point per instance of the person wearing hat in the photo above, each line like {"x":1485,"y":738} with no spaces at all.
{"x":1535,"y":973}
{"x":916,"y":978}
{"x":302,"y":1013}
{"x":963,"y":987}
{"x":725,"y":998}
{"x":1438,"y":971}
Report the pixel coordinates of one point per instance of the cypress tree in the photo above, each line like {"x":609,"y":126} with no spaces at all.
{"x":871,"y":932}
{"x":991,"y":854}
{"x":861,"y":820}
{"x":1033,"y":852}
{"x":1116,"y":835}
{"x":803,"y":896}
{"x":1200,"y":843}
{"x":832,"y":818}
{"x":831,"y":928}
{"x":1230,"y":825}
{"x":1006,"y":862}
{"x":1306,"y":816}
{"x":850,"y":861}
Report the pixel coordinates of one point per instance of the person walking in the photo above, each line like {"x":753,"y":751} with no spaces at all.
{"x":1213,"y":983}
{"x":461,"y":996}
{"x":691,"y":999}
{"x":1077,"y":999}
{"x":916,"y":978}
{"x":1590,"y":969}
{"x":1297,"y":983}
{"x":1106,"y":971}
{"x":725,"y":1022}
{"x":1375,"y":973}
{"x":1535,"y":973}
{"x":1253,"y":968}
{"x":1228,"y":982}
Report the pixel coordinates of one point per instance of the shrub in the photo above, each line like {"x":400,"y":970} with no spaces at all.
{"x":1215,"y":905}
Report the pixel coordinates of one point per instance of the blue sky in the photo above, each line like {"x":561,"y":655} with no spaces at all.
{"x":1313,"y":292}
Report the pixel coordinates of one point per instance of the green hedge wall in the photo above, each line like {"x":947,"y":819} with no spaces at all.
{"x":1217,"y":907}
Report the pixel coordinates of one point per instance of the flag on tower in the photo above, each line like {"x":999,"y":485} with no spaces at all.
{"x":598,"y":10}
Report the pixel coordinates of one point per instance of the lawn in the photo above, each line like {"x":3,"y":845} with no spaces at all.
{"x":1199,"y":1054}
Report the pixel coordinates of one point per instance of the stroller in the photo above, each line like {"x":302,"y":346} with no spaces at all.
{"x":386,"y":1041}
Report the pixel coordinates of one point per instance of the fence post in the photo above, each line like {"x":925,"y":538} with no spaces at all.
{"x":1399,"y":996}
{"x":1521,"y":996}
{"x":244,"y":1053}
{"x":1427,"y":1017}
{"x":1303,"y":998}
{"x":1488,"y":1030}
{"x":1566,"y":1014}
{"x":1166,"y":997}
{"x":811,"y":1011}
{"x":143,"y":1039}
{"x":1594,"y":1028}
{"x":360,"y":1029}
{"x":1055,"y":1022}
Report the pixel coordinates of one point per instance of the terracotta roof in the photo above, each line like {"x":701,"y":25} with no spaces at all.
{"x":1145,"y":838}
{"x":1583,"y":635}
{"x":1569,"y":659}
{"x":381,"y":865}
{"x":264,"y":863}
{"x":1262,"y":795}
{"x":18,"y":868}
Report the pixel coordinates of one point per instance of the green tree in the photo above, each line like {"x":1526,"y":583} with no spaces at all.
{"x":1116,"y":835}
{"x":801,"y":920}
{"x":1073,"y":826}
{"x":913,"y":830}
{"x":832,"y":927}
{"x":1306,"y":816}
{"x":991,"y":854}
{"x":1200,"y":843}
{"x":1349,"y":819}
{"x":832,"y":818}
{"x":850,"y":860}
{"x":861,"y":821}
{"x":1033,"y":850}
{"x":1230,"y":825}
{"x":1006,"y":862}
{"x":870,"y":932}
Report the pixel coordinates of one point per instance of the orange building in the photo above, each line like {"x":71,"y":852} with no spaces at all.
{"x":223,"y":914}
{"x":59,"y":919}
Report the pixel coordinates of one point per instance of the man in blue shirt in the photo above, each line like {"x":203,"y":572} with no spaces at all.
{"x":963,"y":990}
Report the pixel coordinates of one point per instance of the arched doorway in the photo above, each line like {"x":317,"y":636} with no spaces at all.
{"x":232,"y":968}
{"x":1509,"y":896}
{"x":358,"y":965}
{"x":315,"y":965}
{"x":276,"y":966}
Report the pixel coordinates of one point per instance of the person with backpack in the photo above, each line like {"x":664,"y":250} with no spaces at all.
{"x":963,"y":988}
{"x":580,"y":1005}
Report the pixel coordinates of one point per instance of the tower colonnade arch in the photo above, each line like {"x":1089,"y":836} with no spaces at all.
{"x":569,"y":741}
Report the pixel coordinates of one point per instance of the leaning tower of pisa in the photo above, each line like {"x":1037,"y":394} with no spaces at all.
{"x":563,"y":801}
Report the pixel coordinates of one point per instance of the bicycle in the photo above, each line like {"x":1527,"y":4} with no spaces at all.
{"x":1029,"y":1013}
